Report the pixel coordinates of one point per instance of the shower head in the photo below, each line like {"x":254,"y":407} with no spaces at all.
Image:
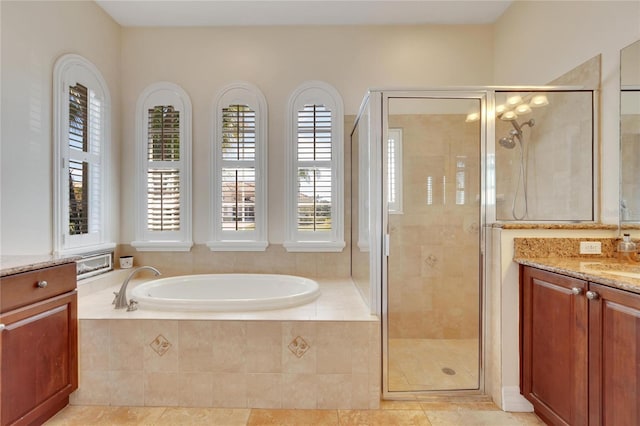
{"x":519,"y":127}
{"x":507,"y":142}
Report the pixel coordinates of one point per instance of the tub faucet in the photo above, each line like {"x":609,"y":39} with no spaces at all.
{"x":121,"y":297}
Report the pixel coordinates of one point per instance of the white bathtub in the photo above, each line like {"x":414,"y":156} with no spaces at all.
{"x":225,"y":292}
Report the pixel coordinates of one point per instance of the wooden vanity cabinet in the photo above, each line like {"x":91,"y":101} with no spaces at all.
{"x":614,"y":357}
{"x":580,"y":350}
{"x":38,"y":344}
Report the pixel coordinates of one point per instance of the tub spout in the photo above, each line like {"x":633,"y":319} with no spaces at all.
{"x":121,"y":297}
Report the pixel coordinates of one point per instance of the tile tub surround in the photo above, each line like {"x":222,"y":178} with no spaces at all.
{"x":325,"y":354}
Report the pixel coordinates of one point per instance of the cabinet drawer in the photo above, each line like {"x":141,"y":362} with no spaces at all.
{"x":22,"y":289}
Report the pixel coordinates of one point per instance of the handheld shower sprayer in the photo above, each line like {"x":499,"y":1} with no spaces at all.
{"x":509,"y":142}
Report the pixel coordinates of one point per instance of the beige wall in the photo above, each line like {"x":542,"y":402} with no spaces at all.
{"x":352,"y":59}
{"x":34,"y":35}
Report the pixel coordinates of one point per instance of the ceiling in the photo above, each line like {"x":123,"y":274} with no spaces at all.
{"x":189,"y":13}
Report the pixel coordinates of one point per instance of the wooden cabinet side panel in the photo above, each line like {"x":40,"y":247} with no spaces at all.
{"x":554,"y":346}
{"x":614,"y":357}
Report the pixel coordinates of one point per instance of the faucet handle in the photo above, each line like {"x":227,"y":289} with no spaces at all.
{"x":132,"y":305}
{"x":116,"y":294}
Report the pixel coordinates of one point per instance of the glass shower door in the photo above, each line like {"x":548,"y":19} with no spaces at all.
{"x":432,"y":302}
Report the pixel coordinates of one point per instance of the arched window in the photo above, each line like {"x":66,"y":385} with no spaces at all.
{"x":314,"y":171}
{"x":82,"y":124}
{"x":239,"y":165}
{"x":163,"y":158}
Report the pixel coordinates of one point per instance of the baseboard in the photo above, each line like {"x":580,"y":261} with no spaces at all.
{"x":512,"y":400}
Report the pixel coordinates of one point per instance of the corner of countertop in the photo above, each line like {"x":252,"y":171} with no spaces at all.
{"x":14,"y":264}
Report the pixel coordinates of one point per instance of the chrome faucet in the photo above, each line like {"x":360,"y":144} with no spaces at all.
{"x":121,"y":297}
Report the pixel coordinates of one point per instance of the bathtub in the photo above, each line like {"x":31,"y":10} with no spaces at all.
{"x":225,"y":292}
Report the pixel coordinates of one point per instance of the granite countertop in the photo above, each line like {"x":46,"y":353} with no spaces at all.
{"x":590,"y":269}
{"x":14,"y":264}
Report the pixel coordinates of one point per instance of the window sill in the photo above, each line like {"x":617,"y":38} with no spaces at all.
{"x":314,"y":246}
{"x":162,"y":245}
{"x":237,"y":245}
{"x":87,"y":250}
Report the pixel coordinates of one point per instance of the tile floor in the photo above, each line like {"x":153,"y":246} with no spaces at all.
{"x":436,"y":413}
{"x":433,"y":364}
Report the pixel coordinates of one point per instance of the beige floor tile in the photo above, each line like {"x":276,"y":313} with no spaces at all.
{"x":399,"y":413}
{"x":457,"y":406}
{"x":400,"y":405}
{"x":383,"y":417}
{"x":203,"y":416}
{"x":104,"y":415}
{"x":134,"y":415}
{"x":293,"y":417}
{"x":472,"y":418}
{"x":528,"y":419}
{"x":80,"y":415}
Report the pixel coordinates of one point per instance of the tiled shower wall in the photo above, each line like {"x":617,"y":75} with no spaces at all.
{"x":433,"y":263}
{"x":254,"y":364}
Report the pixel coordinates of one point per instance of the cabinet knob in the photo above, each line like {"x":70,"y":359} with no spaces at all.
{"x":2,"y":327}
{"x":592,"y":295}
{"x":42,"y":284}
{"x":576,"y":290}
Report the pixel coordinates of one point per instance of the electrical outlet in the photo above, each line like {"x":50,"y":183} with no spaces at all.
{"x":590,"y":247}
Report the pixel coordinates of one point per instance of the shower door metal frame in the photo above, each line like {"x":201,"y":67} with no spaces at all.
{"x":381,"y":222}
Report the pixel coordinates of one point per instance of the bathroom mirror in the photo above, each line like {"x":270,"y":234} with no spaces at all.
{"x":630,"y":134}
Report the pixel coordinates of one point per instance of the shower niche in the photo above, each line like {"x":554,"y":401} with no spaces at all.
{"x":430,"y":169}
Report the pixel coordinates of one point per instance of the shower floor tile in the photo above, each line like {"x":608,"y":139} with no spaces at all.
{"x":433,"y":364}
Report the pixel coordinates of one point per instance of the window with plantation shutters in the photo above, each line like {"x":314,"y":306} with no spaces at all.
{"x":163,"y":179}
{"x":78,"y":169}
{"x":81,"y":109}
{"x":314,"y":173}
{"x":313,"y":213}
{"x":164,"y":160}
{"x":239,"y":165}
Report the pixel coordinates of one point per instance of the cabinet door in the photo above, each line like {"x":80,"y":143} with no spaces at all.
{"x":39,"y":361}
{"x":614,"y":350}
{"x":554,"y":346}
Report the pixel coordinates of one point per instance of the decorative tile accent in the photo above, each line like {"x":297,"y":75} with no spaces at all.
{"x":431,"y":261}
{"x":299,"y":346}
{"x":160,"y":344}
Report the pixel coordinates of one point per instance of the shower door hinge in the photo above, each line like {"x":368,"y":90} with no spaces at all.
{"x":387,"y":245}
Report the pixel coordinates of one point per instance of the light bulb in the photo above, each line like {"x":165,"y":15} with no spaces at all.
{"x":539,"y":101}
{"x":500,"y":109}
{"x":474,"y":116}
{"x":514,"y":100}
{"x":523,"y":109}
{"x":509,"y":116}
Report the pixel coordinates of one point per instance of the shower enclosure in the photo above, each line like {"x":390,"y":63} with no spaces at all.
{"x":424,"y":168}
